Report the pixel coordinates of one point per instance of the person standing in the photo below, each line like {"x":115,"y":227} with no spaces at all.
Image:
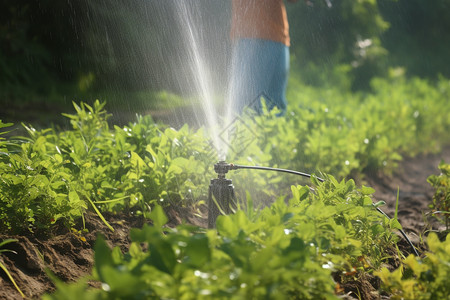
{"x":260,"y":59}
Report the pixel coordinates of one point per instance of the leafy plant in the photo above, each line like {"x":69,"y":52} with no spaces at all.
{"x":35,"y":190}
{"x":291,"y":249}
{"x":441,"y":198}
{"x":55,"y":176}
{"x":2,"y":139}
{"x":421,"y":278}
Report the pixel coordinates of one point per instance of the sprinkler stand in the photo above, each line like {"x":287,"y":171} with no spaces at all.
{"x":221,"y":197}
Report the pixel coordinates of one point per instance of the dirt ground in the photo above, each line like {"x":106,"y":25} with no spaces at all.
{"x":415,"y":193}
{"x":70,"y":256}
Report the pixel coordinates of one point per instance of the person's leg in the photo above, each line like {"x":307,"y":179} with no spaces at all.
{"x":259,"y":69}
{"x":279,"y":70}
{"x":268,"y":67}
{"x":242,"y":81}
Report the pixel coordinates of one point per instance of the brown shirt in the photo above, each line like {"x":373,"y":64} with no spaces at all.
{"x":261,"y":19}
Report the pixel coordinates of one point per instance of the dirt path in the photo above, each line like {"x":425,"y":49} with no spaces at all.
{"x":415,"y":193}
{"x":69,"y":255}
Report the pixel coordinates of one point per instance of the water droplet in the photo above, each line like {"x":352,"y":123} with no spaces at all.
{"x":205,"y":292}
{"x":201,"y":274}
{"x":106,"y":287}
{"x":328,"y":265}
{"x":287,"y":231}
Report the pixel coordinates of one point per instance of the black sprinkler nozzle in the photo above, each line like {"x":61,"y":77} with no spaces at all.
{"x":222,"y":168}
{"x":221,"y":197}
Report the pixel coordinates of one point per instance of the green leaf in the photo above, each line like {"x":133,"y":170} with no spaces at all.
{"x":150,"y":150}
{"x":367,"y":190}
{"x":3,"y":267}
{"x":174,"y":169}
{"x":162,"y":255}
{"x":99,"y":214}
{"x":395,"y":224}
{"x":137,"y":162}
{"x":300,"y":192}
{"x":197,"y":250}
{"x":226,"y":227}
{"x":379,"y":203}
{"x":73,"y":196}
{"x":158,"y":216}
{"x":102,"y":256}
{"x":367,"y":201}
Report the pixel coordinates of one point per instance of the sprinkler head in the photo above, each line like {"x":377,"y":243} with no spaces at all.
{"x":221,"y":198}
{"x":222,"y":168}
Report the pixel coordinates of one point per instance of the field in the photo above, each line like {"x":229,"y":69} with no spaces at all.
{"x":144,"y":188}
{"x":70,"y":255}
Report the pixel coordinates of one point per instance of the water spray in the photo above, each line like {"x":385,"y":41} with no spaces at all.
{"x":223,"y":200}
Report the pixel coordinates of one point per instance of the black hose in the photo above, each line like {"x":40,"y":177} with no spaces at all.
{"x":279,"y":170}
{"x":321,"y":180}
{"x":402,"y":232}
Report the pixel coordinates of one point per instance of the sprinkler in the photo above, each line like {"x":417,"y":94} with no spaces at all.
{"x":222,"y":198}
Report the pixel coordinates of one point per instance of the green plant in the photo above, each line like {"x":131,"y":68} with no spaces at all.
{"x":421,"y":278}
{"x":2,"y":139}
{"x":53,"y":176}
{"x":291,"y":249}
{"x":35,"y":190}
{"x":441,"y":198}
{"x":3,"y":267}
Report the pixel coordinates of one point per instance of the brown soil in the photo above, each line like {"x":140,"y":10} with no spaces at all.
{"x":415,"y":193}
{"x":69,"y":255}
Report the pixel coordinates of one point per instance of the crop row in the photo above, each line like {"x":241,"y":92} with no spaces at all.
{"x":314,"y":240}
{"x":292,"y":249}
{"x":55,"y":176}
{"x":310,"y":247}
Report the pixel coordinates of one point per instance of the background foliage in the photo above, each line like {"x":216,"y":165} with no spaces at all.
{"x":51,"y":48}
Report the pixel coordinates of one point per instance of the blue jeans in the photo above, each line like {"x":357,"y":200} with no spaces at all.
{"x":259,"y":69}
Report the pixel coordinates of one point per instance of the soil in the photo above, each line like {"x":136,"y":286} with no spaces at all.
{"x":414,"y":193}
{"x":69,"y":255}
